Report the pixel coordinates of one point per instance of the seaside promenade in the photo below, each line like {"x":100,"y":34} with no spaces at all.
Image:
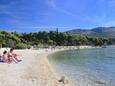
{"x":34,"y":70}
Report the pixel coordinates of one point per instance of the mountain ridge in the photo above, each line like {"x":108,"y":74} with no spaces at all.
{"x":97,"y":31}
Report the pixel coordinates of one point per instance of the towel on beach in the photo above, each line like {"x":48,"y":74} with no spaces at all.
{"x":1,"y":60}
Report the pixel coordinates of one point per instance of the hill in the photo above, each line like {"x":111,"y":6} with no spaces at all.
{"x":98,"y":31}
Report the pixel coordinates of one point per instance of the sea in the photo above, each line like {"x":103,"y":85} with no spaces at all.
{"x":86,"y":67}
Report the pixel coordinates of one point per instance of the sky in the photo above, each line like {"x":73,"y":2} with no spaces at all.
{"x":40,"y":15}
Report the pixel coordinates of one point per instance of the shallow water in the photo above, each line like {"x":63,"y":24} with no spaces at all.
{"x":86,"y":67}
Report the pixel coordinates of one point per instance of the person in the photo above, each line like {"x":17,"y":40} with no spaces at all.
{"x":13,"y":56}
{"x":5,"y":56}
{"x":2,"y":50}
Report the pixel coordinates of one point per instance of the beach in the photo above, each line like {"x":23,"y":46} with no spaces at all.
{"x":33,"y":70}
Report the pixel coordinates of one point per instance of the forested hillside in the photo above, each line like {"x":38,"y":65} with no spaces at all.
{"x":52,"y":38}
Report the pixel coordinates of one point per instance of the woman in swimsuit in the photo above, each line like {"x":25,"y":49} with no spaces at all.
{"x":13,"y":56}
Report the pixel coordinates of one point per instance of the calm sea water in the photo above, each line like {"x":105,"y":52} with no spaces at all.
{"x":86,"y":67}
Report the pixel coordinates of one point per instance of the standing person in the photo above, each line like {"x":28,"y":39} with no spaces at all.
{"x":13,"y":56}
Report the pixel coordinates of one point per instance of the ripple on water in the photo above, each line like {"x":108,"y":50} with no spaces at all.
{"x":86,"y":67}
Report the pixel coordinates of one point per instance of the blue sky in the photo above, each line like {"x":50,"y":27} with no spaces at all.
{"x":39,"y":15}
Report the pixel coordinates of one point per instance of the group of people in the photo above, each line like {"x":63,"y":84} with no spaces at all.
{"x":9,"y":57}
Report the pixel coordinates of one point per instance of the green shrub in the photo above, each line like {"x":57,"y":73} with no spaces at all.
{"x":22,"y":46}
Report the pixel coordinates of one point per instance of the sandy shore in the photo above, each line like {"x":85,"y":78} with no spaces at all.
{"x":34,"y":70}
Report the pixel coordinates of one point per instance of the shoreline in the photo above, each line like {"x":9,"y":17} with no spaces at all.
{"x":34,"y":70}
{"x":56,"y":75}
{"x":59,"y":50}
{"x":84,"y":81}
{"x":64,"y":49}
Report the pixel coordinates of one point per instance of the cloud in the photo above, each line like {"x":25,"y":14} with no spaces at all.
{"x":6,"y":8}
{"x":48,"y":27}
{"x":51,"y":27}
{"x":13,"y":16}
{"x":52,"y":4}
